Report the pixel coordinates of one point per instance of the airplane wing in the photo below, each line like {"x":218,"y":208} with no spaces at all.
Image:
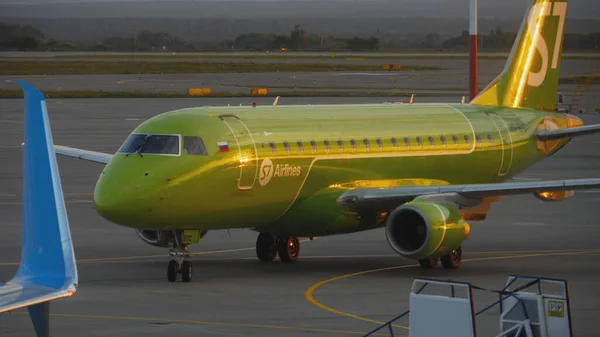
{"x":47,"y":270}
{"x":462,"y":196}
{"x":94,"y":156}
{"x":568,"y":132}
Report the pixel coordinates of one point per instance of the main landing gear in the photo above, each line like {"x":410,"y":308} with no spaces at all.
{"x":268,"y":247}
{"x":179,"y":265}
{"x":449,"y":261}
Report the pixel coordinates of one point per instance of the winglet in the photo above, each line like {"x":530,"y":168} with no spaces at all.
{"x":48,"y":269}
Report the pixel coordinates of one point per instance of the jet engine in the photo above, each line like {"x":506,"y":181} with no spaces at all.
{"x":162,"y":238}
{"x":422,"y":229}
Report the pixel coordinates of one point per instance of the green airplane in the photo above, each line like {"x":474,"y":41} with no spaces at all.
{"x":421,"y":171}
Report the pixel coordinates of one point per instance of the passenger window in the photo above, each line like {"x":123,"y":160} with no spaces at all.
{"x":300,"y":146}
{"x":272,"y":146}
{"x":467,"y":140}
{"x":419,"y":143}
{"x":353,"y":144}
{"x":327,"y":147}
{"x":367,"y":145}
{"x":431,"y":142}
{"x":379,"y":143}
{"x":262,"y":144}
{"x":340,"y":145}
{"x":407,"y":142}
{"x":490,"y":140}
{"x":455,"y":140}
{"x":394,"y":143}
{"x":194,"y":146}
{"x":313,"y":144}
{"x":478,"y":139}
{"x":443,"y":139}
{"x":286,"y":146}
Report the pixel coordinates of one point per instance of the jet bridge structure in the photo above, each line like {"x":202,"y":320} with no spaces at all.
{"x":529,"y":306}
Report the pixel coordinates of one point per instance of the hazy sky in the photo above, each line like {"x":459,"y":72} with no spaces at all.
{"x":501,"y":9}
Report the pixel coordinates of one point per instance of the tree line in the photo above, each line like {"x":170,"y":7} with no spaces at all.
{"x":27,"y":37}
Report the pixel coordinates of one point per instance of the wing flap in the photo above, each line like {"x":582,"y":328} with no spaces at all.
{"x":373,"y":199}
{"x":94,"y":156}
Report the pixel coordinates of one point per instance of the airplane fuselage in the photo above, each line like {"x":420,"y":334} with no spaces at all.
{"x":283,"y":168}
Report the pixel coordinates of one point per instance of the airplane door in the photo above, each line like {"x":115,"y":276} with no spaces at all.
{"x":506,"y":142}
{"x":247,"y":152}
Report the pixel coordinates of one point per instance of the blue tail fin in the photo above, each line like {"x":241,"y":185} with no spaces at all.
{"x":48,"y":269}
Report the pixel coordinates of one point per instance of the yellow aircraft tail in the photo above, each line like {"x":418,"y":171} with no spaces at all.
{"x":530,"y":77}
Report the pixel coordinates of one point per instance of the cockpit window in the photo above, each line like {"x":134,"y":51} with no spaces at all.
{"x":132,"y":143}
{"x":194,"y":146}
{"x":151,"y":144}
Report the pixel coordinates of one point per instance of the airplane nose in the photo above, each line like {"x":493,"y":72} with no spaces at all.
{"x":112,"y":201}
{"x":124,"y":202}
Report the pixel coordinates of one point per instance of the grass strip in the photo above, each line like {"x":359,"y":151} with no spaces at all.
{"x":124,"y":68}
{"x":433,"y":56}
{"x":342,"y":87}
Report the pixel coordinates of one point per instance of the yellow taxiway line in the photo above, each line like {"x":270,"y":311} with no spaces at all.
{"x":309,"y":294}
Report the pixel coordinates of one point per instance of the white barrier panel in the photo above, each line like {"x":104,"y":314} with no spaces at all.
{"x":557,"y":318}
{"x":547,"y":311}
{"x":453,"y":315}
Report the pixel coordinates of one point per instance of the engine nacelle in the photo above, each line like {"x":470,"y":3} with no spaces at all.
{"x":156,"y":238}
{"x":422,"y":229}
{"x":165,"y":238}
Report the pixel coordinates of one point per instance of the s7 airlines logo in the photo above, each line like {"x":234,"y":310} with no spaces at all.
{"x":268,"y":171}
{"x":535,"y":26}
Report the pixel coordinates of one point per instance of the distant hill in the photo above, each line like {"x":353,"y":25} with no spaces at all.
{"x":217,"y":20}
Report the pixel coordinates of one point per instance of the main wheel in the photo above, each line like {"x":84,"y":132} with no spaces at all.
{"x":172,"y":271}
{"x":288,"y":249}
{"x":266,"y":248}
{"x":452,"y":260}
{"x":186,"y":271}
{"x":429,"y":263}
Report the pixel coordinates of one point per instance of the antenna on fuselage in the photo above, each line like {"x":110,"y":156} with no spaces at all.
{"x":412,"y":98}
{"x":462,"y":101}
{"x":276,"y":100}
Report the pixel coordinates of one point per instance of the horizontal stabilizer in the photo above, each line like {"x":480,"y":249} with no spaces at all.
{"x":568,"y":132}
{"x":47,"y":270}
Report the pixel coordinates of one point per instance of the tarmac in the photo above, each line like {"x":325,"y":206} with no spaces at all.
{"x":451,"y":81}
{"x":342,"y":285}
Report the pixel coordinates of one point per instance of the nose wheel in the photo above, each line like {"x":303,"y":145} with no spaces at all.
{"x":179,"y":265}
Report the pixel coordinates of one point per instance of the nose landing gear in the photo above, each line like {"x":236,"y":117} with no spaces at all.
{"x":179,"y":265}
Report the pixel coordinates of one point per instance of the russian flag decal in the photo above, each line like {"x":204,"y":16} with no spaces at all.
{"x":223,"y":147}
